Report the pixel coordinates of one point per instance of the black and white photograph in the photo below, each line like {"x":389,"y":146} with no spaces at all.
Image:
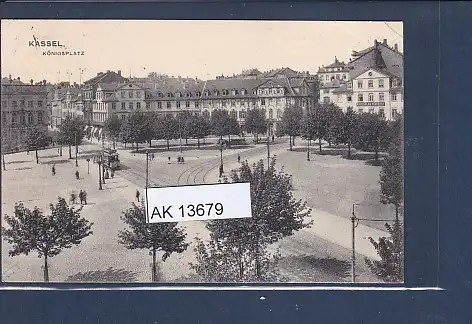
{"x":202,"y":152}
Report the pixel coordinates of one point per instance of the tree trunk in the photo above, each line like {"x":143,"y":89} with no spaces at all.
{"x":150,"y":143}
{"x":114,"y":143}
{"x":258,"y":261}
{"x":349,"y":150}
{"x":241,"y":264}
{"x":396,"y":212}
{"x":168,"y":148}
{"x":3,"y":162}
{"x":70,"y":152}
{"x":290,"y":141}
{"x":293,"y":140}
{"x":37,"y":157}
{"x":46,"y":269}
{"x":198,"y":142}
{"x":154,"y":277}
{"x":137,"y":147}
{"x":319,"y":143}
{"x":376,"y":154}
{"x":60,"y":150}
{"x":186,"y":140}
{"x":229,"y":141}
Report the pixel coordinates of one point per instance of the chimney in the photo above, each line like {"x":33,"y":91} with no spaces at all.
{"x":108,"y":71}
{"x":385,"y":41}
{"x":18,"y":79}
{"x":119,"y":72}
{"x":395,"y":46}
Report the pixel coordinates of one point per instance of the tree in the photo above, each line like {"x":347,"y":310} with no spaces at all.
{"x":347,"y":130}
{"x":32,"y":231}
{"x":256,"y":122}
{"x":139,"y":128}
{"x":36,"y":139}
{"x":333,"y":115}
{"x":219,"y":122}
{"x":112,"y":128}
{"x":199,"y":127}
{"x":162,"y":237}
{"x":167,"y":128}
{"x":125,"y":132}
{"x":71,"y":132}
{"x":390,"y":250}
{"x":316,"y":124}
{"x":371,"y":133}
{"x":391,"y":174}
{"x":291,"y":123}
{"x":6,"y":144}
{"x":275,"y":214}
{"x":232,"y":128}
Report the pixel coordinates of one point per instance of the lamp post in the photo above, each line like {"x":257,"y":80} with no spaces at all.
{"x":268,"y":144}
{"x":308,"y":135}
{"x":88,"y":165}
{"x":221,"y":156}
{"x":99,"y":162}
{"x":104,"y":166}
{"x":76,"y":149}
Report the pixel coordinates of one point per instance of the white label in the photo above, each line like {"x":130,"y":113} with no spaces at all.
{"x":201,"y":202}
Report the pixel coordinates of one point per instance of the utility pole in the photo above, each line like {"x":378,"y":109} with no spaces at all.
{"x":147,"y":169}
{"x":268,"y":146}
{"x":353,"y":258}
{"x":308,"y":135}
{"x":76,"y":149}
{"x":221,"y":155}
{"x":180,"y":130}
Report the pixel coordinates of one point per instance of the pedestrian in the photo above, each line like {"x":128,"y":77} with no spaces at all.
{"x":178,"y":160}
{"x":221,"y":171}
{"x":81,"y":197}
{"x":239,"y":158}
{"x":53,"y":169}
{"x":137,"y":195}
{"x":84,"y":195}
{"x":182,"y":160}
{"x":272,"y":138}
{"x":152,"y":156}
{"x":112,"y":173}
{"x":168,"y":158}
{"x":77,"y":174}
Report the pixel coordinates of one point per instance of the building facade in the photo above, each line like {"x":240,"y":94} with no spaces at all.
{"x":371,"y":82}
{"x":22,"y":107}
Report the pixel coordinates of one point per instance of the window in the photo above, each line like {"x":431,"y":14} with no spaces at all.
{"x":123,"y":94}
{"x":196,"y":104}
{"x":30,"y":118}
{"x":130,"y":94}
{"x":370,"y":84}
{"x":178,"y":104}
{"x":277,"y":101}
{"x":360,"y":97}
{"x":381,"y":83}
{"x":148,"y":105}
{"x":40,"y":117}
{"x":188,"y":94}
{"x":371,"y":97}
{"x":381,"y":96}
{"x":371,"y":110}
{"x":22,"y":119}
{"x":123,"y":106}
{"x":271,"y":114}
{"x":270,"y":101}
{"x":138,"y":105}
{"x":325,"y":91}
{"x":349,"y":109}
{"x":14,"y":104}
{"x":169,"y":94}
{"x":381,"y":112}
{"x":233,"y":103}
{"x":344,"y":76}
{"x":327,"y":77}
{"x":30,"y":104}
{"x":123,"y":116}
{"x":262,"y":102}
{"x":4,"y":117}
{"x":349,"y":98}
{"x":225,"y":92}
{"x":359,"y":84}
{"x":159,"y":105}
{"x":279,"y":113}
{"x":242,"y":114}
{"x":394,"y":113}
{"x":4,"y":103}
{"x":326,"y":99}
{"x":22,"y":103}
{"x":233,"y":114}
{"x":168,"y":105}
{"x":394,"y":97}
{"x":360,"y":110}
{"x":187,"y":104}
{"x":113,"y":105}
{"x":138,"y":94}
{"x":242,"y":103}
{"x":130,"y":105}
{"x":13,"y":118}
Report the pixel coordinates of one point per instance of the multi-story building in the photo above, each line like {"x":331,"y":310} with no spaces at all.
{"x":23,"y":106}
{"x":272,"y":91}
{"x":371,"y":82}
{"x":66,"y":101}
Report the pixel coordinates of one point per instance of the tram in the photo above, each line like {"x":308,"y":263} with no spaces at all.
{"x":111,"y":159}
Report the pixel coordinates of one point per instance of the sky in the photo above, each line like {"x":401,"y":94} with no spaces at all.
{"x":202,"y":49}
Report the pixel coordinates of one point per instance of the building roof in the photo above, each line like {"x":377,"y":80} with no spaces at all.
{"x":342,"y":89}
{"x":332,"y":84}
{"x":106,"y":77}
{"x":6,"y":80}
{"x":355,"y":73}
{"x":26,"y":89}
{"x":336,"y":64}
{"x":109,"y":86}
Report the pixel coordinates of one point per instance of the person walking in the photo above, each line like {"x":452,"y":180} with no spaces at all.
{"x":84,"y":195}
{"x":168,"y":158}
{"x":272,"y":138}
{"x":81,"y":197}
{"x":137,"y":195}
{"x":77,"y":175}
{"x":53,"y":169}
{"x":239,"y":158}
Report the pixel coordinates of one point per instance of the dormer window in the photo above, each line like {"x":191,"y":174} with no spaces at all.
{"x":198,"y":94}
{"x":225,"y":92}
{"x":216,"y":93}
{"x":207,"y":93}
{"x":234,"y":92}
{"x":169,"y":94}
{"x":243,"y":92}
{"x":178,"y":94}
{"x":188,"y":94}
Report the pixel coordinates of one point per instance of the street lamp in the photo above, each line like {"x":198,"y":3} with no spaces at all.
{"x":268,"y":144}
{"x":99,"y":162}
{"x":221,"y":156}
{"x":76,"y":149}
{"x":308,"y":135}
{"x":88,"y":165}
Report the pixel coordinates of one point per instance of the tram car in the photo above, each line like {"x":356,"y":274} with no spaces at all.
{"x":111,"y":159}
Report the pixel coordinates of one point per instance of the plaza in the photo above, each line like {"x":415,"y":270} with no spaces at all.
{"x":329,"y":183}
